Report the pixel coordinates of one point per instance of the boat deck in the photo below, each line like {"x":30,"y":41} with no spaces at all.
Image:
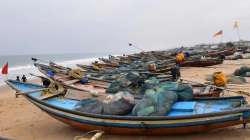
{"x":180,"y":108}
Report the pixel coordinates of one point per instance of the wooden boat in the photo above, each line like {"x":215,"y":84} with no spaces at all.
{"x":70,"y":82}
{"x":92,"y":69}
{"x":106,"y":65}
{"x":199,"y":115}
{"x":202,"y":63}
{"x":226,"y":52}
{"x":100,"y":86}
{"x":111,"y":71}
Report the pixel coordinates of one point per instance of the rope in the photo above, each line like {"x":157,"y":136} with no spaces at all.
{"x":98,"y":134}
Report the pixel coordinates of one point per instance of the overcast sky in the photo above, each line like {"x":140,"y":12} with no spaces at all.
{"x":75,"y":26}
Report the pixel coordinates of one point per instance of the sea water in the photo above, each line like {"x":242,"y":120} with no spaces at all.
{"x":23,"y":65}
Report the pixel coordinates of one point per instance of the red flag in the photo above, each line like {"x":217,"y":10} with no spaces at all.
{"x":218,"y":33}
{"x":5,"y":69}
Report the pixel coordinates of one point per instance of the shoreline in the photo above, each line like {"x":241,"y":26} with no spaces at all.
{"x":25,"y":69}
{"x":21,"y":120}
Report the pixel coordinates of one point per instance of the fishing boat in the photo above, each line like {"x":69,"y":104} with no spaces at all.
{"x":202,"y":63}
{"x":71,"y":82}
{"x":225,"y":52}
{"x":198,"y":115}
{"x":100,"y":86}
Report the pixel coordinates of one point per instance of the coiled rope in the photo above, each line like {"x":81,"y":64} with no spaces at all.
{"x":96,"y":136}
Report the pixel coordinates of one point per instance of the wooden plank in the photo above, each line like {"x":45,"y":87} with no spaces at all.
{"x":100,"y":86}
{"x":44,"y":97}
{"x":71,"y":81}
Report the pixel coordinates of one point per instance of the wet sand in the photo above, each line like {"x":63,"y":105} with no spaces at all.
{"x":21,"y":120}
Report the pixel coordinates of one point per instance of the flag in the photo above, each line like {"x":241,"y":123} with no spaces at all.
{"x":236,"y":24}
{"x":5,"y":69}
{"x":218,"y":33}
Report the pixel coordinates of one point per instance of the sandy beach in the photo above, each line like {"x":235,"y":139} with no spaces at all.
{"x":20,"y":120}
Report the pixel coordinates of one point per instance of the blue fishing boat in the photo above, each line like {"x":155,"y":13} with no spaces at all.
{"x":198,"y":115}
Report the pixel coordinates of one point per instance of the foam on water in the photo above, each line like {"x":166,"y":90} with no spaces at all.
{"x":16,"y":68}
{"x":71,"y":63}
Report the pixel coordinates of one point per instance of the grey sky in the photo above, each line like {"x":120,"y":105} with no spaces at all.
{"x":42,"y":26}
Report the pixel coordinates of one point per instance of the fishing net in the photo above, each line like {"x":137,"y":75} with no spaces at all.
{"x":242,"y":71}
{"x":110,"y":77}
{"x":184,"y":92}
{"x":158,"y":101}
{"x":133,"y":77}
{"x":236,"y":79}
{"x":89,"y":105}
{"x":247,"y":74}
{"x":119,"y":104}
{"x":155,"y":103}
{"x":114,"y":87}
{"x":123,"y":83}
{"x":149,"y":84}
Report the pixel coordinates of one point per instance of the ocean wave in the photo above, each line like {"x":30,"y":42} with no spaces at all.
{"x":26,"y":69}
{"x":77,"y":61}
{"x":64,"y":63}
{"x":17,"y":68}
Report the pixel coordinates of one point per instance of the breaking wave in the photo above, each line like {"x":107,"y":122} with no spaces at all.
{"x":27,"y":69}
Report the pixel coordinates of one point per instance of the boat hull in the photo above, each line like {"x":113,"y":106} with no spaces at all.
{"x":138,"y":125}
{"x":149,"y":131}
{"x":201,"y":63}
{"x":224,"y":53}
{"x":146,"y":127}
